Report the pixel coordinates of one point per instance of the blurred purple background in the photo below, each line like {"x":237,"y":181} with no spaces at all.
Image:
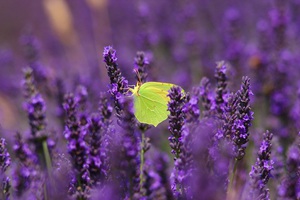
{"x":64,"y":41}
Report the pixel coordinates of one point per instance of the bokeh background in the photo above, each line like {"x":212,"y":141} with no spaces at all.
{"x":63,"y":41}
{"x":183,"y":40}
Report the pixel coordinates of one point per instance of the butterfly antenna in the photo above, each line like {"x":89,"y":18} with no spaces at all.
{"x":138,"y":75}
{"x":128,"y":89}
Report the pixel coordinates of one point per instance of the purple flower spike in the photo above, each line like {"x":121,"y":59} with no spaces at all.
{"x":4,"y":156}
{"x":24,"y":172}
{"x":36,"y":112}
{"x":106,"y":131}
{"x":191,"y":108}
{"x":176,"y":119}
{"x":179,"y":142}
{"x":141,"y":64}
{"x":75,"y":133}
{"x":4,"y":164}
{"x":129,"y":153}
{"x":113,"y":71}
{"x":261,"y":171}
{"x":205,"y":96}
{"x":96,"y":164}
{"x":244,"y":116}
{"x":237,"y":119}
{"x":290,"y":186}
{"x":221,"y":88}
{"x":119,"y":85}
{"x":98,"y":128}
{"x":130,"y":159}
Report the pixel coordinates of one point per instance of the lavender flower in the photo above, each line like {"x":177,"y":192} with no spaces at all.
{"x":36,"y":113}
{"x":81,"y":94}
{"x":261,"y":171}
{"x":176,"y":119}
{"x":24,"y":172}
{"x":36,"y":109}
{"x":221,"y":78}
{"x":99,"y":129}
{"x":5,"y":188}
{"x":205,"y":96}
{"x":278,"y":158}
{"x":96,"y":164}
{"x":191,"y":108}
{"x":5,"y":162}
{"x":22,"y":151}
{"x":244,"y":117}
{"x":28,"y":178}
{"x":105,"y":109}
{"x":141,"y":65}
{"x":176,"y":127}
{"x":130,"y":160}
{"x":75,"y":134}
{"x":21,"y":180}
{"x":114,"y":73}
{"x":289,"y":187}
{"x":4,"y":156}
{"x":229,"y":118}
{"x":119,"y":85}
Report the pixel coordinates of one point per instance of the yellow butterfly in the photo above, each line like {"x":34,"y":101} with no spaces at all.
{"x":151,"y":102}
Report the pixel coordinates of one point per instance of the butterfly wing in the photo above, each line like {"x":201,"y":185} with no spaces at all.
{"x":157,"y":86}
{"x":149,"y":112}
{"x":151,"y":103}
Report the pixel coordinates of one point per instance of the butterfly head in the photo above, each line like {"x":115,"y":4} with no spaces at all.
{"x":135,"y":90}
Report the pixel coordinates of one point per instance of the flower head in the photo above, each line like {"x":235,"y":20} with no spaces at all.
{"x":5,"y":162}
{"x":261,"y":171}
{"x":141,"y":64}
{"x":75,"y":133}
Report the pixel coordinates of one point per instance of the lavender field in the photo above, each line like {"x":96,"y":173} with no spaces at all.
{"x":67,"y":118}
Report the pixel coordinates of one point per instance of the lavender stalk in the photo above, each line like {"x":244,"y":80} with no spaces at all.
{"x":261,"y":171}
{"x":5,"y":162}
{"x":75,"y":134}
{"x":36,"y":108}
{"x":176,"y":127}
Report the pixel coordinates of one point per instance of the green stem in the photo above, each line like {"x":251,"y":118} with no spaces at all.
{"x":142,"y":154}
{"x":230,"y":192}
{"x":47,"y":156}
{"x":48,"y":165}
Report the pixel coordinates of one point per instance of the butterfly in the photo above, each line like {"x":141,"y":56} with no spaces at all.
{"x":151,"y":101}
